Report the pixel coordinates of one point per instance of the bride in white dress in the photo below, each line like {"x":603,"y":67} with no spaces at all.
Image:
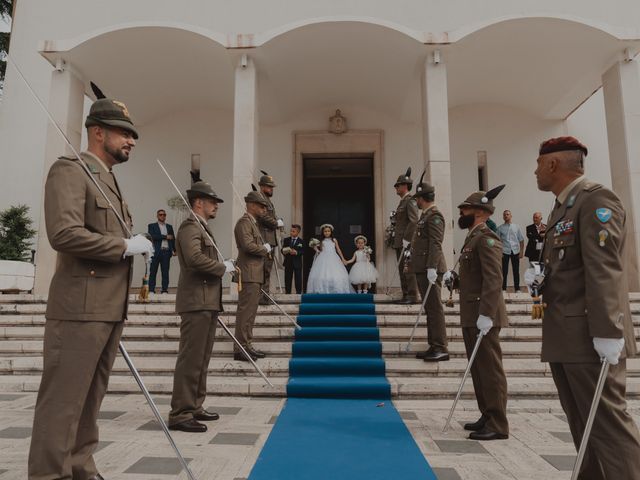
{"x":328,"y":273}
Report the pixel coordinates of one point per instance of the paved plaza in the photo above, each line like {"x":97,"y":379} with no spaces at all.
{"x":134,"y":448}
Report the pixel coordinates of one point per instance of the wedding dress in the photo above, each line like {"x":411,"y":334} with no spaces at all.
{"x":328,"y":273}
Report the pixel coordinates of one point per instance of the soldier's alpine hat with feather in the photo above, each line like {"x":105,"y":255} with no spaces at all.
{"x":424,"y":189}
{"x":483,"y":200}
{"x":266,"y":180}
{"x":405,"y":179}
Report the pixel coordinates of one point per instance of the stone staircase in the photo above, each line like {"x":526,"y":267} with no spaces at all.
{"x":152,"y":333}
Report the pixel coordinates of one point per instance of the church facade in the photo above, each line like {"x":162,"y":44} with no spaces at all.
{"x":334,"y":99}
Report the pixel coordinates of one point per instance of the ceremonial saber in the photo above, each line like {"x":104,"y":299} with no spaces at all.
{"x":415,"y":325}
{"x":204,"y":230}
{"x":464,"y":378}
{"x":604,"y":371}
{"x":133,"y":369}
{"x":298,"y":327}
{"x":155,"y":410}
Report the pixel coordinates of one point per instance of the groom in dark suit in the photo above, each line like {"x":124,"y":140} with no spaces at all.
{"x":164,"y":247}
{"x":292,"y":249}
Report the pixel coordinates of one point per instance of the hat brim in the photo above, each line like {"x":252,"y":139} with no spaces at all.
{"x":92,"y":121}
{"x":195,"y":194}
{"x":259,"y":202}
{"x":488,"y":208}
{"x":272,"y":185}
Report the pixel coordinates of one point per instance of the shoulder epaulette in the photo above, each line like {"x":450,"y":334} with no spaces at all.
{"x":591,"y":186}
{"x":64,"y":157}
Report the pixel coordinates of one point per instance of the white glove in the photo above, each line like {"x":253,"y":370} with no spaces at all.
{"x":139,"y":244}
{"x":609,"y":348}
{"x":405,"y":243}
{"x":447,"y":276}
{"x":432,"y":275}
{"x":267,"y":247}
{"x":484,"y":324}
{"x":229,"y":266}
{"x":529,"y":276}
{"x":280,"y":223}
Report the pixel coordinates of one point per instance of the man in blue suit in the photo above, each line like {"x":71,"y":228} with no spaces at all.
{"x":164,"y":246}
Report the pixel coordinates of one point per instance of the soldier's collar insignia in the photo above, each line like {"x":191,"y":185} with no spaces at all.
{"x":603,"y":214}
{"x":571,"y":201}
{"x":93,"y":168}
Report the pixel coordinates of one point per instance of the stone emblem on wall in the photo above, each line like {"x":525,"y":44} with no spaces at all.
{"x":337,"y":123}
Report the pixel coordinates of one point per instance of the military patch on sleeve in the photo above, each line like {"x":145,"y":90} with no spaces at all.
{"x":491,"y":242}
{"x":436,"y":221}
{"x":603,"y":214}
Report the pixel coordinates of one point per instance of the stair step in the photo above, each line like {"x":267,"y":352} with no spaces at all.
{"x":339,"y":387}
{"x":337,"y":334}
{"x":337,"y":366}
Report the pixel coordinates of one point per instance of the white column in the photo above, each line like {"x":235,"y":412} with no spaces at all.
{"x":621,"y":85}
{"x":437,"y":157}
{"x":66,"y":100}
{"x":245,"y":135}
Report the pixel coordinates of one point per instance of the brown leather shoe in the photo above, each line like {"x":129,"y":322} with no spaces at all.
{"x":485,"y":434}
{"x":240,"y":356}
{"x":206,"y":416}
{"x":190,"y":426}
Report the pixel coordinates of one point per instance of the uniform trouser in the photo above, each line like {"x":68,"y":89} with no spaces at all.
{"x":291,"y":272}
{"x":78,"y":358}
{"x":436,"y":329}
{"x":197,"y":333}
{"x":489,"y":380}
{"x":613,"y":451}
{"x":407,"y":280}
{"x":248,"y":299}
{"x":268,"y":266}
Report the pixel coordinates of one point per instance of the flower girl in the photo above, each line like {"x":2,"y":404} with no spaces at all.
{"x":328,"y":273}
{"x":363,"y":273}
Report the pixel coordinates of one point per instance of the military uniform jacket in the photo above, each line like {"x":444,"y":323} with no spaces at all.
{"x":251,"y":251}
{"x":407,"y":214}
{"x":92,"y":279}
{"x":201,"y":270}
{"x":585,"y":287}
{"x":481,"y":278}
{"x":426,"y":243}
{"x":269,"y":223}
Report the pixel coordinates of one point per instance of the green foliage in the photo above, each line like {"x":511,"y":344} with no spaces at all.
{"x":16,"y":234}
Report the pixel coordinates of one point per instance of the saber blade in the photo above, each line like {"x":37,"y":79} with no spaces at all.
{"x":415,"y":325}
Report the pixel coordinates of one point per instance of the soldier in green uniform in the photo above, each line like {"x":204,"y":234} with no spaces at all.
{"x":252,"y":253}
{"x":407,"y":215}
{"x":199,"y":302}
{"x":427,"y":262}
{"x":482,"y":309}
{"x":587,"y":316}
{"x":88,"y":296}
{"x":268,"y":223}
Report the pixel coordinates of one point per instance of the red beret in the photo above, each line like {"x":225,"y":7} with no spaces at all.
{"x":562,"y":144}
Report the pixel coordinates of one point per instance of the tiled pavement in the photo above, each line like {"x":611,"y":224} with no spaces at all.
{"x":134,"y":448}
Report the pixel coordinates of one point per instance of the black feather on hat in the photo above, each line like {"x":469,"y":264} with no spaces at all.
{"x":253,"y":188}
{"x":408,"y":174}
{"x":195,"y":176}
{"x":263,"y":172}
{"x":97,"y":92}
{"x":493,"y":193}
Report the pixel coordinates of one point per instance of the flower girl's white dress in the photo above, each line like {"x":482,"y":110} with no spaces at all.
{"x":328,"y":273}
{"x":363,"y":270}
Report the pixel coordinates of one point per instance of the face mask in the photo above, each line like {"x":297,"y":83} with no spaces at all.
{"x":466,"y":221}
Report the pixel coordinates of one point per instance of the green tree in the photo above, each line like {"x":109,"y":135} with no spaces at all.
{"x":6,"y":10}
{"x":16,"y":233}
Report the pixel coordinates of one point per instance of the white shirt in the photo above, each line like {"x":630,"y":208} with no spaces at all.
{"x":163,"y":231}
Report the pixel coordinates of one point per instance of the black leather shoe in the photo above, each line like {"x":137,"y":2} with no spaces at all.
{"x":256,"y":353}
{"x":422,"y":354}
{"x":240,"y":356}
{"x":436,"y":356}
{"x":477,"y":425}
{"x":485,"y":434}
{"x":191,"y":426}
{"x":264,"y":301}
{"x":404,"y":301}
{"x":205,"y":416}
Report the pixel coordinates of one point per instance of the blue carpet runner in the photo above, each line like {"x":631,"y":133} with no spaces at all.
{"x":339,"y":422}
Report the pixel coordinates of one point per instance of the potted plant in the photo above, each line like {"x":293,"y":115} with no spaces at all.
{"x":17,"y":271}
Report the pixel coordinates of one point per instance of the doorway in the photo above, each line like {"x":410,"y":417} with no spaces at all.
{"x":338,"y":189}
